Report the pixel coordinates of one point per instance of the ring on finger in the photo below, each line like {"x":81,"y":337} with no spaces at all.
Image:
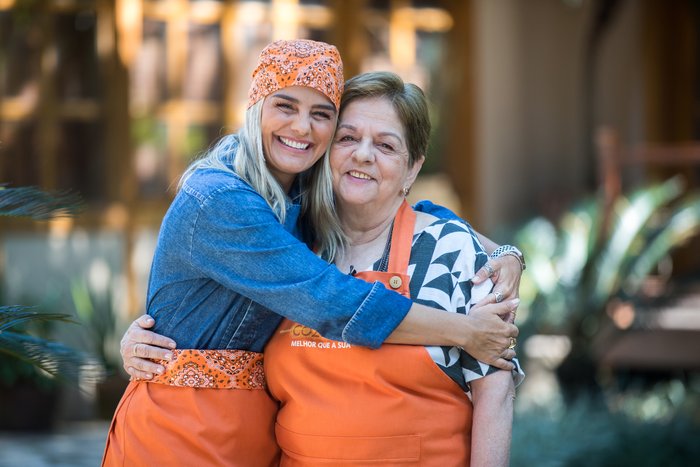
{"x":498,"y":295}
{"x":133,"y":351}
{"x":489,"y":269}
{"x":513,"y":341}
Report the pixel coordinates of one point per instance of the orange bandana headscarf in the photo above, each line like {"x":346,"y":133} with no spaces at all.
{"x":298,"y":62}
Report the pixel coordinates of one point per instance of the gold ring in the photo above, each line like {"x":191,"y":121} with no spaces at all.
{"x":513,"y":341}
{"x":499,"y":296}
{"x":489,"y":269}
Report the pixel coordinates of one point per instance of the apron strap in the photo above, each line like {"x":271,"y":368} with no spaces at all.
{"x":402,"y":239}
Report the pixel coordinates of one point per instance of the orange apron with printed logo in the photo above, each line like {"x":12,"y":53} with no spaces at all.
{"x":348,"y":405}
{"x":209,"y":408}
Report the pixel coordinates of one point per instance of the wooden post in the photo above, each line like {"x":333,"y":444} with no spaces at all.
{"x":402,"y":35}
{"x":348,"y":34}
{"x":47,"y":115}
{"x":285,"y":19}
{"x":232,"y":57}
{"x":457,"y":110}
{"x":117,"y":140}
{"x":609,"y":179}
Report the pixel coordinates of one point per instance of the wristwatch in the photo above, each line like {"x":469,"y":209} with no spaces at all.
{"x":512,"y":251}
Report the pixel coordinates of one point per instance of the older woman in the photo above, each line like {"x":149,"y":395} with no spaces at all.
{"x":398,"y":405}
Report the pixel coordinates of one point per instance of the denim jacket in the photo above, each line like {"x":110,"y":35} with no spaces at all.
{"x":225,"y":272}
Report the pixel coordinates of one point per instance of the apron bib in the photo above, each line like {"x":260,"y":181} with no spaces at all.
{"x":348,"y":405}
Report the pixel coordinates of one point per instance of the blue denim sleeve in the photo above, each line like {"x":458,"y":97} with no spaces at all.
{"x":237,"y":241}
{"x":438,"y":211}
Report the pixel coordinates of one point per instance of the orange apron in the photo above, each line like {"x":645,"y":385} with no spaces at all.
{"x":210,"y":407}
{"x":343,"y":405}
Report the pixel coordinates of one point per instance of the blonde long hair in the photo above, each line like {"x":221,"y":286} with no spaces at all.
{"x":318,"y":214}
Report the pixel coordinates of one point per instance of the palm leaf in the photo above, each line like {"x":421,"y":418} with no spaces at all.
{"x":58,"y":360}
{"x":12,"y":316}
{"x":574,"y":270}
{"x":37,"y":204}
{"x":631,"y":222}
{"x":538,"y":240}
{"x":683,"y":225}
{"x":579,"y":231}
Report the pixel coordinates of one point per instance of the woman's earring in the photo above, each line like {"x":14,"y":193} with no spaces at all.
{"x":405,"y":191}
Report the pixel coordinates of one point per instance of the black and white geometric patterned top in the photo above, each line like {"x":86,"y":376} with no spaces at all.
{"x":444,"y":257}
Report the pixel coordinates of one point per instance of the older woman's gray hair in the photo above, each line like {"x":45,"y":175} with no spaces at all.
{"x":407,"y":99}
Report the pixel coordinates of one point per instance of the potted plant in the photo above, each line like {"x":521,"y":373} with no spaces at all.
{"x":578,"y":265}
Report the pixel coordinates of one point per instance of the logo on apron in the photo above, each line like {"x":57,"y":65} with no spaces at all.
{"x":304,"y":336}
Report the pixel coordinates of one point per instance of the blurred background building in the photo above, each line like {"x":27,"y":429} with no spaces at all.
{"x":536,"y":104}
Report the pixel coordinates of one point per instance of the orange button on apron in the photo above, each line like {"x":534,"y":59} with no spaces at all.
{"x":395,"y":282}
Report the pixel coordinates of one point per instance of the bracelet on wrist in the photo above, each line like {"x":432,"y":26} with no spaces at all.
{"x":510,"y":250}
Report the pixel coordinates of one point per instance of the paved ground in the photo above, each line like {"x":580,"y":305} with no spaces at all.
{"x":74,"y":445}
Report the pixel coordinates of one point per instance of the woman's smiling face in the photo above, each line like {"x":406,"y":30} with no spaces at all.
{"x":369,"y":156}
{"x":297,"y":126}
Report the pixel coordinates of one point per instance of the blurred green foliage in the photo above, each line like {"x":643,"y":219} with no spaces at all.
{"x":96,"y":312}
{"x":26,"y":353}
{"x":576,"y":266}
{"x":587,"y":434}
